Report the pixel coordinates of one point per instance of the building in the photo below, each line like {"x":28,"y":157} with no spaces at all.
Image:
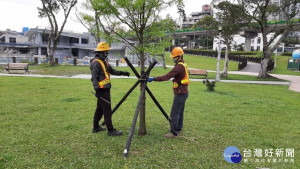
{"x":12,"y":42}
{"x":257,"y":44}
{"x":69,"y":45}
{"x":280,"y":15}
{"x":196,"y":16}
{"x":33,"y":43}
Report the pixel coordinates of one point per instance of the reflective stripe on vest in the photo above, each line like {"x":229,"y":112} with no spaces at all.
{"x":106,"y":81}
{"x":186,"y":79}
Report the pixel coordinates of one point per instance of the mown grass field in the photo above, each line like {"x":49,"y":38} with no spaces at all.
{"x":47,"y":123}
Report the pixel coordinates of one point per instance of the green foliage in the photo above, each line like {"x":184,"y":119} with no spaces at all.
{"x":287,"y":54}
{"x":142,"y":21}
{"x":291,"y":40}
{"x":210,"y":85}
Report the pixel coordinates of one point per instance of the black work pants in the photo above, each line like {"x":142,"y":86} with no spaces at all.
{"x":103,"y":108}
{"x":177,"y":112}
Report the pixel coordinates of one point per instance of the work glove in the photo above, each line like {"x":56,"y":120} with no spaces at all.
{"x":150,"y":79}
{"x":125,"y":73}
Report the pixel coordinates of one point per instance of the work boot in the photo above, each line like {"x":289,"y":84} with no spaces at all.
{"x":115,"y":133}
{"x":170,"y":135}
{"x":96,"y":130}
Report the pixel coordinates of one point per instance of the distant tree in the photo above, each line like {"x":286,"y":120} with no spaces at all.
{"x":49,"y":10}
{"x":260,"y":11}
{"x":291,"y":40}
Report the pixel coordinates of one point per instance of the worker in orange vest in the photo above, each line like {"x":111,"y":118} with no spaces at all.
{"x":181,"y":80}
{"x":101,"y":70}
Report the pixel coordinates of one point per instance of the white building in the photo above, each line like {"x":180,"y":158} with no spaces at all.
{"x":256,"y":43}
{"x":196,"y":16}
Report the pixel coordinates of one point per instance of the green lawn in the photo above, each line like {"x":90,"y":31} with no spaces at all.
{"x":281,"y":66}
{"x":47,"y":123}
{"x":201,"y":62}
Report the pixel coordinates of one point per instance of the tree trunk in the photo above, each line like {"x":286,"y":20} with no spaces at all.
{"x":142,"y":124}
{"x":163,"y":60}
{"x":265,"y":57}
{"x":263,"y":68}
{"x":225,"y":69}
{"x":50,"y":53}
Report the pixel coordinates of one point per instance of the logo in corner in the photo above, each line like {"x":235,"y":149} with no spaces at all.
{"x":232,"y":154}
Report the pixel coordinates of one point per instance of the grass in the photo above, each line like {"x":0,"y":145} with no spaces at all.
{"x":200,"y":62}
{"x":281,"y":66}
{"x":47,"y":123}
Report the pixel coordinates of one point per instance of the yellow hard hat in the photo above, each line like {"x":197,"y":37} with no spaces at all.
{"x":102,"y":46}
{"x":177,"y":51}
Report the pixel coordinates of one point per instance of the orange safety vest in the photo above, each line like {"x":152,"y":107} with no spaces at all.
{"x":106,"y":80}
{"x":186,"y":78}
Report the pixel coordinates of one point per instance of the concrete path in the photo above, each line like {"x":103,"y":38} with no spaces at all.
{"x":294,"y":80}
{"x":252,"y":69}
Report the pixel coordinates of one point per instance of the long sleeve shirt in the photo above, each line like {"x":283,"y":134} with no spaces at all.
{"x":178,"y":73}
{"x":98,"y":73}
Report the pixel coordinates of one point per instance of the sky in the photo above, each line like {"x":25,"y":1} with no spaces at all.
{"x":16,"y":14}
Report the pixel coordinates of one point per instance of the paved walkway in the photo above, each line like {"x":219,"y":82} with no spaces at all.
{"x":252,"y":70}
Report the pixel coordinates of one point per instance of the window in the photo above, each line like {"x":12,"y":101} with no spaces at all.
{"x":258,"y":48}
{"x":258,"y":40}
{"x":252,"y":48}
{"x":12,"y":40}
{"x":84,"y":41}
{"x":73,"y":40}
{"x":45,"y":38}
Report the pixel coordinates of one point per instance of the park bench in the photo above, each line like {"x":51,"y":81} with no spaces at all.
{"x":17,"y":66}
{"x":198,"y":72}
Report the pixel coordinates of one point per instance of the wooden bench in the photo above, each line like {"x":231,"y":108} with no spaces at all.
{"x":198,"y":72}
{"x":17,"y":66}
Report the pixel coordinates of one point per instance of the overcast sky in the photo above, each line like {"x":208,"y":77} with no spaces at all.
{"x":16,"y":14}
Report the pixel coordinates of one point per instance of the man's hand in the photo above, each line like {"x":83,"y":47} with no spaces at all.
{"x":126,"y":74}
{"x":150,"y":79}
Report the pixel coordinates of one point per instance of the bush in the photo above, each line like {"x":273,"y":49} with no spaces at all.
{"x":286,"y":54}
{"x":210,"y":86}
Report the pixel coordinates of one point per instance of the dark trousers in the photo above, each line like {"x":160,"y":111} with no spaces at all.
{"x":177,"y":111}
{"x":103,"y":108}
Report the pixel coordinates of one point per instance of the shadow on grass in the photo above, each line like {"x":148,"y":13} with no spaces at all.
{"x":70,"y":99}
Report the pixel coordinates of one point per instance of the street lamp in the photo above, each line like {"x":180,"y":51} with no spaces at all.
{"x":219,"y":55}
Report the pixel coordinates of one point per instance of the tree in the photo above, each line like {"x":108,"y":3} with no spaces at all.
{"x":229,"y":18}
{"x":90,"y":19}
{"x":138,"y":16}
{"x":49,"y":10}
{"x":260,"y":11}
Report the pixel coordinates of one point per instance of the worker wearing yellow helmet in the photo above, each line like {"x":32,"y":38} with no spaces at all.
{"x":181,"y":80}
{"x":101,"y":70}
